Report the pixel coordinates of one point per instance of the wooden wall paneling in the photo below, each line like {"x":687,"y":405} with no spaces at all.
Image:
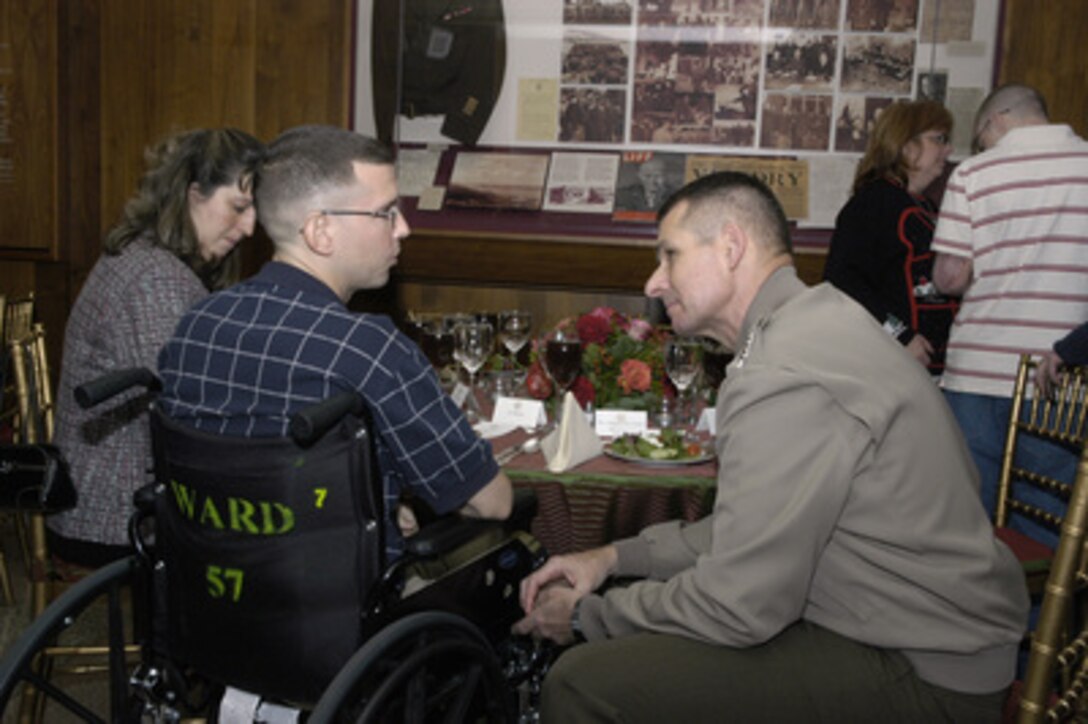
{"x":28,"y":128}
{"x":210,"y":65}
{"x":127,"y":73}
{"x":443,"y":272}
{"x":17,"y":278}
{"x":447,"y":257}
{"x":79,"y":109}
{"x":493,"y":260}
{"x":302,"y":74}
{"x":1042,"y":47}
{"x":304,"y":61}
{"x":196,"y":69}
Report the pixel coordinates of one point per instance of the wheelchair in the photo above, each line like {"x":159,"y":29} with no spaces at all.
{"x":259,"y":586}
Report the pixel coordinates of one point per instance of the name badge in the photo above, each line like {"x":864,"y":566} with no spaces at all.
{"x":518,"y":412}
{"x":613,"y":423}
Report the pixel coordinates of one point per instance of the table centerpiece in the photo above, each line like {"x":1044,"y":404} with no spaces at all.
{"x":622,"y":361}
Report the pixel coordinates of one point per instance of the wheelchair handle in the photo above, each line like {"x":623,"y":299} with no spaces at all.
{"x":103,"y":388}
{"x":308,"y":425}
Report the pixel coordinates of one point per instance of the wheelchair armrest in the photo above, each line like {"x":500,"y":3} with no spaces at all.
{"x":450,"y":531}
{"x":114,"y":383}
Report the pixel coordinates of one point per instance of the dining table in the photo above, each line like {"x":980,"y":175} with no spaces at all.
{"x":604,"y":498}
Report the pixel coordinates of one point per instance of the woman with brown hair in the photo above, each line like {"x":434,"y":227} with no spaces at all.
{"x":879,"y":251}
{"x":175,"y":241}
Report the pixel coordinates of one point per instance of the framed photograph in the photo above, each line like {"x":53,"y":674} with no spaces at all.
{"x":646,"y":179}
{"x":511,"y":181}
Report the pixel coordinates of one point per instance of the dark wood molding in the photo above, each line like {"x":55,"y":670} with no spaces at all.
{"x":432,"y":256}
{"x":478,"y":260}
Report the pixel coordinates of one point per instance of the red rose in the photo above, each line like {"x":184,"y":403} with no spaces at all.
{"x":583,"y":390}
{"x":605,"y":313}
{"x":537,"y":383}
{"x":593,"y":329}
{"x":634,"y":376}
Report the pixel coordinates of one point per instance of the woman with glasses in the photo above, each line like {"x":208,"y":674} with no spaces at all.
{"x":176,"y":240}
{"x":879,"y":251}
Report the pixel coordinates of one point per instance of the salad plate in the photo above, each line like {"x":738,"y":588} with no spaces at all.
{"x":666,"y":448}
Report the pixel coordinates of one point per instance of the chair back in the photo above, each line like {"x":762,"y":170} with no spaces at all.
{"x":268,"y":551}
{"x":1057,"y":671}
{"x":18,"y":317}
{"x":31,"y":414}
{"x":1059,"y":418}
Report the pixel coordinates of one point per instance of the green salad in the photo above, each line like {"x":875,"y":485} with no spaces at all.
{"x":665,"y":445}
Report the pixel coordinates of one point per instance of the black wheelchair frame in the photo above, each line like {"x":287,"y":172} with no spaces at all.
{"x":417,"y":662}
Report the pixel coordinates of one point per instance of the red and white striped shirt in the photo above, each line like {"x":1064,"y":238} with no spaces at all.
{"x":1019,"y":212}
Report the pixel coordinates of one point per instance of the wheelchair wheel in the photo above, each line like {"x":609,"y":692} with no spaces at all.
{"x":110,"y":680}
{"x":426,"y":667}
{"x":27,"y":662}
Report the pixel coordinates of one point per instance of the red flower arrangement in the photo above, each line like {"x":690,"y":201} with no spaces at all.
{"x":622,"y":361}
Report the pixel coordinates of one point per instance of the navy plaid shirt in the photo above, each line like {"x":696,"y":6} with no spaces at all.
{"x":243,"y":360}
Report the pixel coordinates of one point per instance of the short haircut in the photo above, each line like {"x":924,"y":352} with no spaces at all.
{"x":732,"y":196}
{"x":1020,"y":101}
{"x":303,"y":163}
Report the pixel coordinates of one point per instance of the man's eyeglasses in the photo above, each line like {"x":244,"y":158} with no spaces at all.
{"x":391,"y":214}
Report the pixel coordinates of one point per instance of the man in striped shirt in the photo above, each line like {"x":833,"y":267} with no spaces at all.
{"x":1013,"y":240}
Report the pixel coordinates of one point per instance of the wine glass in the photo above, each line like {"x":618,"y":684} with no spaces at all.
{"x":563,"y":359}
{"x":682,"y":362}
{"x":514,"y":326}
{"x":437,"y":344}
{"x":472,"y":345}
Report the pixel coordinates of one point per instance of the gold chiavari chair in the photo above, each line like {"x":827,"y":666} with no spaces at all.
{"x":17,"y":317}
{"x":34,"y":393}
{"x":1059,"y":419}
{"x":1057,"y":672}
{"x":5,"y":577}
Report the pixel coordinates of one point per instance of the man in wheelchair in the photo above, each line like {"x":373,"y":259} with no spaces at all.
{"x":288,"y":433}
{"x":244,"y":360}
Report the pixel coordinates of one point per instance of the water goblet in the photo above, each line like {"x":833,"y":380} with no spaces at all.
{"x":514,"y":327}
{"x":472,"y":345}
{"x":682,"y":362}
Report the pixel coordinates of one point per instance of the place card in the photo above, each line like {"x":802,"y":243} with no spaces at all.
{"x":519,"y":412}
{"x":459,"y":394}
{"x":708,"y":421}
{"x":613,"y":423}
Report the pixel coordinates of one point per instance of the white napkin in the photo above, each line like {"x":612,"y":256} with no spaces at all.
{"x":573,"y":441}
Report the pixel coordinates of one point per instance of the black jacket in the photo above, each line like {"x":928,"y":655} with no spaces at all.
{"x":454,"y":58}
{"x":880,"y":256}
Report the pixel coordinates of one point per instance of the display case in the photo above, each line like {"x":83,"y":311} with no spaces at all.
{"x":571,"y":120}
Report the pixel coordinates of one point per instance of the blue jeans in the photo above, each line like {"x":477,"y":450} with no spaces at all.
{"x":985,"y":423}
